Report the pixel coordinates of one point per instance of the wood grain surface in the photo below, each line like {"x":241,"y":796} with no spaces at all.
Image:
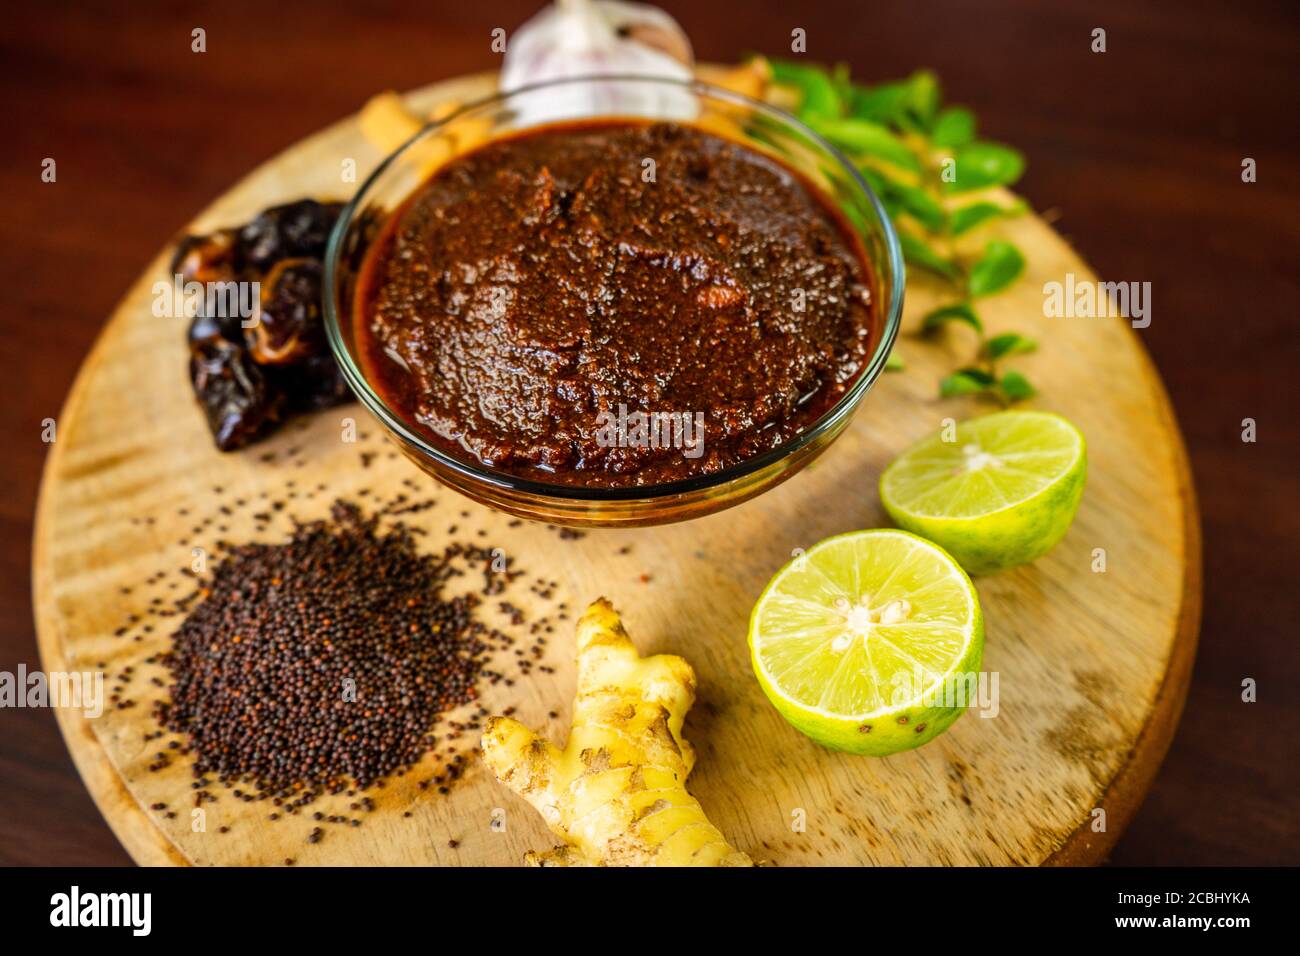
{"x":1081,"y":657}
{"x":1135,"y":154}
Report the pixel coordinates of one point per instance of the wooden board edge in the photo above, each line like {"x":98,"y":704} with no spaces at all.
{"x":144,"y":842}
{"x":1128,"y":787}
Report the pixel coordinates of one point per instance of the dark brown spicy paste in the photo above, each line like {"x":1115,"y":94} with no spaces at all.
{"x":614,"y":304}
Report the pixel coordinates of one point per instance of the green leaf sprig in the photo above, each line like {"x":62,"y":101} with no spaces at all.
{"x":919,"y":156}
{"x":982,"y":377}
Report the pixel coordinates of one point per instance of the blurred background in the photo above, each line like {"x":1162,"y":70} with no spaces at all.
{"x":1135,"y":155}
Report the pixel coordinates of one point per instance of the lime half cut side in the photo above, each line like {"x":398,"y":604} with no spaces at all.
{"x":870,"y":642}
{"x":1000,"y":492}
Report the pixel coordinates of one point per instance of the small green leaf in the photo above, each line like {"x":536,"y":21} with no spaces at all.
{"x":999,"y":266}
{"x":984,"y":164}
{"x":899,"y":196}
{"x":820,"y":98}
{"x":923,"y":96}
{"x":961,"y":312}
{"x":968,"y":217}
{"x":1015,"y":386}
{"x":861,"y":137}
{"x":985,"y":378}
{"x":953,"y":127}
{"x":922,"y":206}
{"x":919,"y":254}
{"x":1009,"y":343}
{"x":894,"y":363}
{"x":880,"y":104}
{"x":877,"y":180}
{"x":967,"y":381}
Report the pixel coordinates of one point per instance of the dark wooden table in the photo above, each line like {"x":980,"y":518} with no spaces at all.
{"x":1137,"y":150}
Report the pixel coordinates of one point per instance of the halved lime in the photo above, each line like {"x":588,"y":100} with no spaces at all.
{"x":869,"y":642}
{"x":996,"y":491}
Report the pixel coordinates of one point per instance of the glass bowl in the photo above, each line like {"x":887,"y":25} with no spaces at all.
{"x":740,"y":118}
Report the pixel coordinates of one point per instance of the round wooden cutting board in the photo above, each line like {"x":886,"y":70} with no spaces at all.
{"x":1092,"y":665}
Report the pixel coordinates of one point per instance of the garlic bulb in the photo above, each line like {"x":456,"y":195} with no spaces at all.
{"x":576,"y":38}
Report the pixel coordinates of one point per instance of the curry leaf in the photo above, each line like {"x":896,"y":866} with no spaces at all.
{"x":984,"y":164}
{"x":966,"y":382}
{"x":923,"y":95}
{"x":921,"y":205}
{"x":1009,"y":343}
{"x":961,"y":312}
{"x":819,"y":95}
{"x":895,"y":133}
{"x":911,"y":199}
{"x":880,"y":104}
{"x":953,"y":127}
{"x":967,"y":218}
{"x":1015,"y":386}
{"x":919,"y":254}
{"x":864,"y":138}
{"x":999,"y":266}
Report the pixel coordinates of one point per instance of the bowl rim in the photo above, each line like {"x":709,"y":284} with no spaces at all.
{"x":829,"y":420}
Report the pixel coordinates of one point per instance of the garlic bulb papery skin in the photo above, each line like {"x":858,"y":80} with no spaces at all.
{"x":577,"y":38}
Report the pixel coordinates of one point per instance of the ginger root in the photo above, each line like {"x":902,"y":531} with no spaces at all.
{"x":616,"y":794}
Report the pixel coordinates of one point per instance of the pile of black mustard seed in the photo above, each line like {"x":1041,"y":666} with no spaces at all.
{"x":323,"y":662}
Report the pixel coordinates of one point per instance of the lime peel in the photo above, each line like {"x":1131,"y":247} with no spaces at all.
{"x":1002,"y":493}
{"x":852,"y":639}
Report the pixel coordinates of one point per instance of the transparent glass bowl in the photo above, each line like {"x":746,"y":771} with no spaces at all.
{"x":740,"y":118}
